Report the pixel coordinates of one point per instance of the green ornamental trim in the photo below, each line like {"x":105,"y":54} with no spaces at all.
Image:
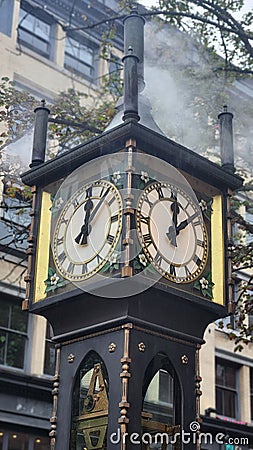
{"x":205,"y":285}
{"x":206,"y":207}
{"x":54,"y":281}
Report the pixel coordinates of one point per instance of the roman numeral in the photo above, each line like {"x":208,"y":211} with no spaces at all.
{"x":76,"y":203}
{"x":173,"y":270}
{"x":110,"y":239}
{"x":158,"y":259}
{"x":160,"y":192}
{"x":200,"y":243}
{"x":197,"y":260}
{"x":145,"y":219}
{"x":114,"y":218}
{"x":197,"y":222}
{"x":62,"y":257}
{"x":187,"y":271}
{"x":147,"y":239}
{"x":84,"y":269}
{"x":146,"y":199}
{"x":89,"y":192}
{"x":71,"y":267}
{"x":63,"y":220}
{"x":110,"y":202}
{"x":59,"y":241}
{"x":99,"y":259}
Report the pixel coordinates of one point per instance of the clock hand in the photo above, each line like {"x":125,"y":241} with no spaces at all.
{"x":186,"y":222}
{"x":94,"y":212}
{"x":172,"y":231}
{"x":85,"y":228}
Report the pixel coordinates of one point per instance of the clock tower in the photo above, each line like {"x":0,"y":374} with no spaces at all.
{"x":128,"y":261}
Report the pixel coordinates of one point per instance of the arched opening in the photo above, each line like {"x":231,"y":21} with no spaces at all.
{"x":90,"y":405}
{"x":161,"y":412}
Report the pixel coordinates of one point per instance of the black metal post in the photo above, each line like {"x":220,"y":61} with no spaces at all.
{"x":130,"y":86}
{"x":40,"y":134}
{"x":134,"y":37}
{"x":226,"y":140}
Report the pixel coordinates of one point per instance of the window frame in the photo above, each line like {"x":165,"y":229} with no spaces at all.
{"x":225,"y":388}
{"x":11,"y":331}
{"x":40,"y":15}
{"x":82,"y":41}
{"x":48,"y":344}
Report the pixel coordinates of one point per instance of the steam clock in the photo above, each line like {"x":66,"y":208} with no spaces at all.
{"x":128,"y":261}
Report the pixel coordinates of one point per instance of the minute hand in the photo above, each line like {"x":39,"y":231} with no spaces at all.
{"x":98,"y":204}
{"x":185,"y":222}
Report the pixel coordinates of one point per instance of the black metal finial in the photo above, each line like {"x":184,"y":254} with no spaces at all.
{"x":226,"y":140}
{"x":134,"y":37}
{"x":40,"y":134}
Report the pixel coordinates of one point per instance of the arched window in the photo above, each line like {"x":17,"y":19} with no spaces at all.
{"x":90,"y":405}
{"x":161,"y":405}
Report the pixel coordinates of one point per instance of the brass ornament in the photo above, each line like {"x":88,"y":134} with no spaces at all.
{"x":141,"y":347}
{"x":71,"y":358}
{"x":184,"y":359}
{"x":112,"y":347}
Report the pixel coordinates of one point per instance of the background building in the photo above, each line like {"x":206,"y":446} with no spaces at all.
{"x":42,"y":54}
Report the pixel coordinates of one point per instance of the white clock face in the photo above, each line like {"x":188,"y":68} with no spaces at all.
{"x":172,"y":232}
{"x":87,"y":230}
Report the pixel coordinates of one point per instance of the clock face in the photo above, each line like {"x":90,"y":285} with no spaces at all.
{"x":87,"y":230}
{"x":172,"y":232}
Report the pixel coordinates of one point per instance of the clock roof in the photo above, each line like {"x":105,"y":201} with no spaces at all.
{"x":148,"y":141}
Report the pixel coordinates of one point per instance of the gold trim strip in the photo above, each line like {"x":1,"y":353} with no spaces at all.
{"x":217,"y":251}
{"x":43,"y":244}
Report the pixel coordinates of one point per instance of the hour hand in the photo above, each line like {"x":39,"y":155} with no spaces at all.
{"x":172,"y":235}
{"x":172,"y":231}
{"x":81,"y":238}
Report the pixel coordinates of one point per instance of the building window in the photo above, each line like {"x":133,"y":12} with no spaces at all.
{"x":81,"y":57}
{"x":115,"y":75}
{"x":34,"y":31}
{"x":165,"y":387}
{"x":49,"y":362}
{"x":14,"y":439}
{"x":13,"y":334}
{"x":226,"y":388}
{"x":6,"y":16}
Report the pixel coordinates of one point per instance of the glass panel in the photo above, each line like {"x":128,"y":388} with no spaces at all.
{"x":89,"y":410}
{"x":49,"y":358}
{"x":34,"y":32}
{"x":158,"y":400}
{"x":19,"y":319}
{"x":35,"y":25}
{"x":3,"y":337}
{"x":219,"y":374}
{"x":79,"y":57}
{"x":33,"y":41}
{"x":4,"y":316}
{"x":15,"y":350}
{"x":18,"y":441}
{"x":230,"y":379}
{"x":219,"y":401}
{"x":229,"y":403}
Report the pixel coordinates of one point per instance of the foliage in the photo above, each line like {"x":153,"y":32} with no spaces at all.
{"x":216,"y":26}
